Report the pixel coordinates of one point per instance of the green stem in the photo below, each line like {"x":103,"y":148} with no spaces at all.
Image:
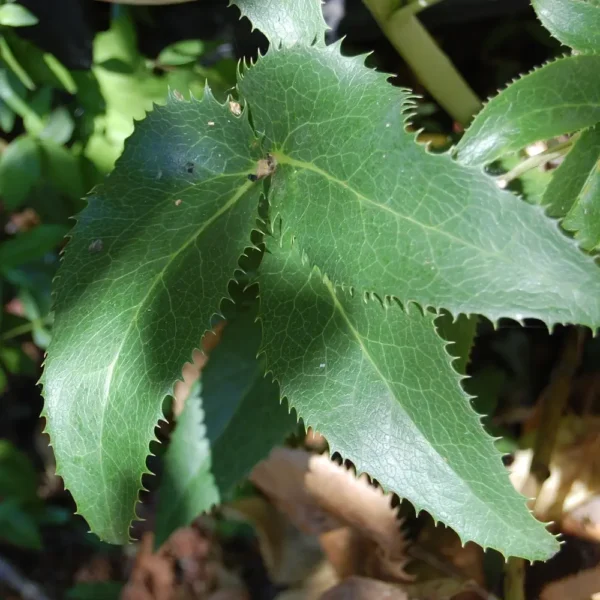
{"x":9,"y":58}
{"x":23,"y":329}
{"x":535,"y":161}
{"x":426,"y":58}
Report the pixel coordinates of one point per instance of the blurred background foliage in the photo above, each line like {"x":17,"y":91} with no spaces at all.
{"x":74,"y":76}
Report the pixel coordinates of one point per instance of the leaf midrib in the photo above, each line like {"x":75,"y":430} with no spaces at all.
{"x":293,"y":162}
{"x":158,"y":277}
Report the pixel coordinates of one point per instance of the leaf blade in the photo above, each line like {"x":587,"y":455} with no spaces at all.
{"x":147,"y":266}
{"x":376,"y":212}
{"x":286,"y":22}
{"x":568,"y":179}
{"x":561,"y":97}
{"x":575,"y":23}
{"x":584,"y":216}
{"x":217,"y":440}
{"x":367,"y":377}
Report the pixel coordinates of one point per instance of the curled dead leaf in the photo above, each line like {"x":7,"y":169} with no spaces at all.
{"x":581,"y":586}
{"x":355,"y":520}
{"x":363,"y":588}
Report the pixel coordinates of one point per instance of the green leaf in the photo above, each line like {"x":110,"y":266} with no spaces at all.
{"x":63,"y":168}
{"x":181,"y":53}
{"x":96,"y":590}
{"x":560,"y":97}
{"x":20,"y":170}
{"x":575,"y":23}
{"x":286,"y":22}
{"x":59,"y":126}
{"x":13,"y":93}
{"x":7,"y":117}
{"x":461,"y":334}
{"x":584,"y":216}
{"x":30,"y":245}
{"x":60,"y":72}
{"x":188,"y":486}
{"x":15,"y":15}
{"x":18,"y":479}
{"x":377,"y":382}
{"x":148,"y":264}
{"x":376,"y":212}
{"x":224,"y":431}
{"x":13,"y":63}
{"x":18,"y":527}
{"x":568,"y":179}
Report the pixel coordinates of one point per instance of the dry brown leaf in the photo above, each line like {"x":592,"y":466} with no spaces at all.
{"x":147,"y":2}
{"x":359,"y":531}
{"x":191,"y":371}
{"x":319,"y":496}
{"x":289,"y":554}
{"x":584,"y":520}
{"x":321,"y":579}
{"x":445,"y":588}
{"x":581,"y":586}
{"x":363,"y":588}
{"x":574,"y":470}
{"x":187,"y":567}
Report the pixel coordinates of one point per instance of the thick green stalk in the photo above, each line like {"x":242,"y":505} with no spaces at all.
{"x":425,"y":58}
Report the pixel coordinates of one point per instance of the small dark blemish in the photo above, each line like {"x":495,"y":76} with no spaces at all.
{"x":189,"y":167}
{"x":252,"y":177}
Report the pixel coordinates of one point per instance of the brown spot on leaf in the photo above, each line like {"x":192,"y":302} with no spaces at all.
{"x":235,"y":108}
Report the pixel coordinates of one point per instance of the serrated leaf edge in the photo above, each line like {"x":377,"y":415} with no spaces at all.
{"x":172,"y":97}
{"x":391,"y":301}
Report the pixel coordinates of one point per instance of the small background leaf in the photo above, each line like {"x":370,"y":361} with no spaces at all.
{"x":584,"y":216}
{"x":20,"y":169}
{"x":15,"y":15}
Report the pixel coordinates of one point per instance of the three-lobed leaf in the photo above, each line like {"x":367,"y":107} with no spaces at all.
{"x":153,"y":252}
{"x":148,"y":264}
{"x":377,"y":382}
{"x":575,"y":23}
{"x":223,"y":431}
{"x":560,"y":97}
{"x":378,"y":213}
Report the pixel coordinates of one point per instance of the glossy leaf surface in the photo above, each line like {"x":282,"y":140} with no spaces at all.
{"x":223,"y":431}
{"x":575,"y":23}
{"x":378,"y":213}
{"x":560,"y":97}
{"x":377,"y":382}
{"x":148,"y":264}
